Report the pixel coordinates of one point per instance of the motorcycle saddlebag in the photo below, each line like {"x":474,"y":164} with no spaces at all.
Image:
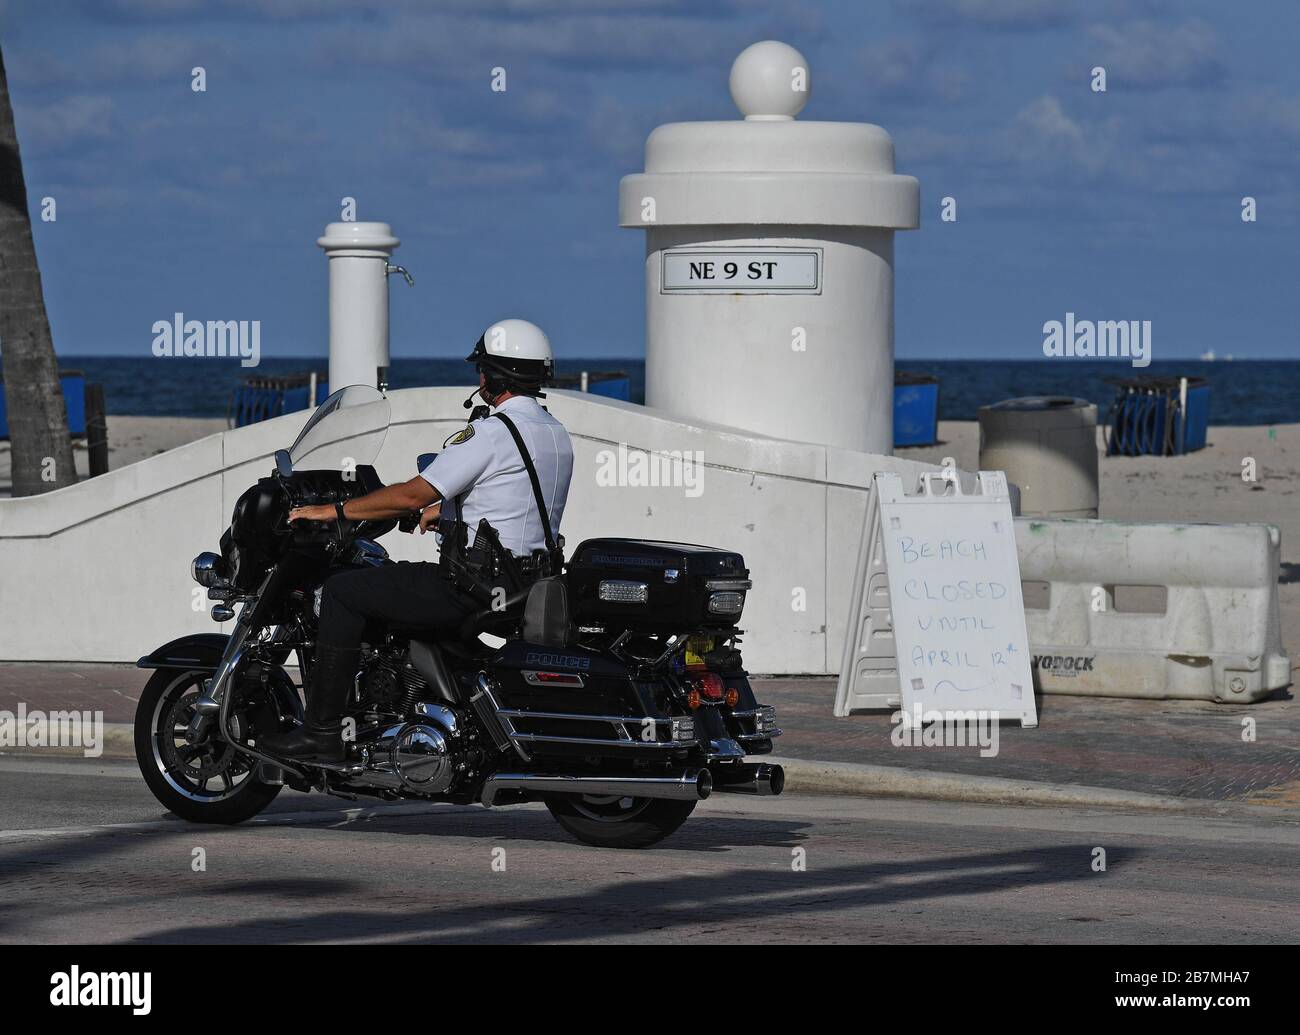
{"x":643,"y":584}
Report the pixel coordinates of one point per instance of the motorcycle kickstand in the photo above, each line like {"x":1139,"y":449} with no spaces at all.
{"x":334,"y":792}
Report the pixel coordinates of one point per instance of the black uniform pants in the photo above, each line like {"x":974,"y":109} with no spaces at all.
{"x":408,"y":593}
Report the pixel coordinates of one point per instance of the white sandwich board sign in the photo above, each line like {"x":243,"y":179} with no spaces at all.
{"x":937,"y":620}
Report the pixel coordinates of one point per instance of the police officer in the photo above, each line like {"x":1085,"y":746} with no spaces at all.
{"x":497,"y":493}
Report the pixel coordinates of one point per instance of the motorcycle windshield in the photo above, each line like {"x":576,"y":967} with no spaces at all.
{"x":348,"y":429}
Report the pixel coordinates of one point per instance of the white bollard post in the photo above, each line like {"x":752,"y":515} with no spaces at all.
{"x":770,"y":263}
{"x":358,"y":261}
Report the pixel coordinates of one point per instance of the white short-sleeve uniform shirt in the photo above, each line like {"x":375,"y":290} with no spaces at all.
{"x":483,"y":462}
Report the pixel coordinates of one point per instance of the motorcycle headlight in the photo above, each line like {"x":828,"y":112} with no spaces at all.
{"x":204,"y":569}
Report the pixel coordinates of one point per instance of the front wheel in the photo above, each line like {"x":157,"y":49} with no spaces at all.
{"x":606,"y":821}
{"x":203,"y":783}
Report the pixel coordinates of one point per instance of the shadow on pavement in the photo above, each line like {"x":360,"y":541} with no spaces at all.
{"x":48,"y":883}
{"x":669,"y":903}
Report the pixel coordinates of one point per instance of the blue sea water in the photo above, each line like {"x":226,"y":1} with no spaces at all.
{"x":1241,"y":391}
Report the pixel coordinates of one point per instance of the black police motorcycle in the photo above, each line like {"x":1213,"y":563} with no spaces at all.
{"x":615,"y":692}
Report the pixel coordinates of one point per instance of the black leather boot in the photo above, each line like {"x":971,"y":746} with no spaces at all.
{"x":321,"y":737}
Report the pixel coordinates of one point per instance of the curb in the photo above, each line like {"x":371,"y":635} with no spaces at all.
{"x":118,"y":742}
{"x":809,"y":776}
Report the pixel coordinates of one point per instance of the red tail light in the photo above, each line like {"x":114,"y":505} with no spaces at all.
{"x":710,"y":686}
{"x":553,"y":678}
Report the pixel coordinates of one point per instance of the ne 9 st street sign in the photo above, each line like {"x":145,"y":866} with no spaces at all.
{"x":742,"y":271}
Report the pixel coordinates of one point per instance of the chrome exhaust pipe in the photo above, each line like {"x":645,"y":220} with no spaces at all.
{"x":753,"y":778}
{"x":692,"y":785}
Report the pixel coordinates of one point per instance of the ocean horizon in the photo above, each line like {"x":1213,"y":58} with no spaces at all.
{"x":1242,"y":391}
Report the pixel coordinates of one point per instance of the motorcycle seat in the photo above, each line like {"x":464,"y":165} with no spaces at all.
{"x":545,"y":615}
{"x":490,"y":619}
{"x":547,"y":620}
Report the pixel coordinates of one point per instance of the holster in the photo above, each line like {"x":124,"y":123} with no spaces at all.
{"x":481,"y":567}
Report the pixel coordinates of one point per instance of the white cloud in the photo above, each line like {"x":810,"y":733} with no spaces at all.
{"x":913,"y":69}
{"x":146,"y":58}
{"x":82,"y":197}
{"x":1042,"y":132}
{"x":69,"y":121}
{"x":447,"y":45}
{"x":1267,"y":112}
{"x":1045,"y":121}
{"x":995,"y":14}
{"x":324,"y":10}
{"x":1151,"y":55}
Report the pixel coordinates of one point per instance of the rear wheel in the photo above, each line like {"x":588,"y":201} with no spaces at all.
{"x":203,"y":783}
{"x":608,"y":821}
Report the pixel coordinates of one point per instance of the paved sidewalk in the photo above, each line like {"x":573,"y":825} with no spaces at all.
{"x":112,"y":689}
{"x":1181,"y":749}
{"x":1185,"y":749}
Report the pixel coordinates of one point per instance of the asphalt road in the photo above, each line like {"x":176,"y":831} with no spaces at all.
{"x":86,"y":855}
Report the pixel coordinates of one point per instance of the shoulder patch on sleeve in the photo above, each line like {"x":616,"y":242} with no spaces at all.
{"x":464,"y":435}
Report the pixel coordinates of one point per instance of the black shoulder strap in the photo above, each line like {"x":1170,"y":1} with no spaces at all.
{"x":532,"y":476}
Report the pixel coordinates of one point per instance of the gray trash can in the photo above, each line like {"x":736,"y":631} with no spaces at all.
{"x":1047,"y":445}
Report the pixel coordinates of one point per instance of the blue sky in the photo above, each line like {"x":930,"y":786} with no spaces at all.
{"x":1122,"y":205}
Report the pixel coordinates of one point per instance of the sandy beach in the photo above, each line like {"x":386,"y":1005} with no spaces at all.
{"x":1201,"y":486}
{"x":130,"y":439}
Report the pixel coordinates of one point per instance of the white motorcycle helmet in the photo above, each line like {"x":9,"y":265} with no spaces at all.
{"x":516,"y":354}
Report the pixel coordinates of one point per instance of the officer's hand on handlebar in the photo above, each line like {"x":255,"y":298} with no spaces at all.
{"x":324,"y":512}
{"x":429,"y":516}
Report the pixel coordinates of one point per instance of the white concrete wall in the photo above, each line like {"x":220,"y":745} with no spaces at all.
{"x":100,"y":571}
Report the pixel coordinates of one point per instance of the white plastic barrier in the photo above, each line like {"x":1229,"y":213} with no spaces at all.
{"x":1117,"y":609}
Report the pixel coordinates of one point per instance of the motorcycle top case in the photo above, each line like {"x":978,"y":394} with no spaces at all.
{"x":652,"y":585}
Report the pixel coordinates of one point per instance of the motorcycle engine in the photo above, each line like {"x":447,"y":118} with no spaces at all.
{"x":391,"y":684}
{"x":421,"y":757}
{"x":424,"y":747}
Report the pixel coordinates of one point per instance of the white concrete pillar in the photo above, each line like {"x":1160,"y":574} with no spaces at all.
{"x":770,"y":263}
{"x":358,"y":261}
